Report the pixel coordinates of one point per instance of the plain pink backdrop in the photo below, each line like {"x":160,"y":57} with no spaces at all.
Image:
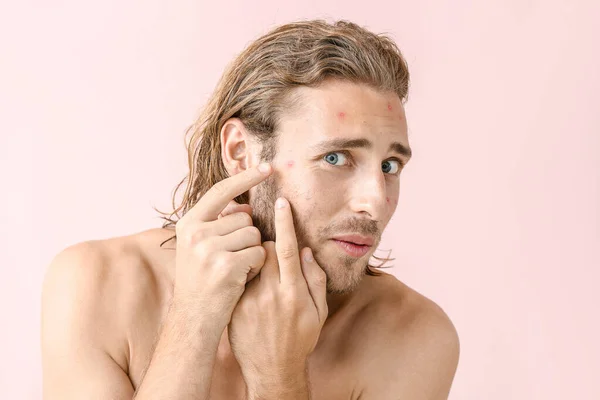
{"x":498,"y":219}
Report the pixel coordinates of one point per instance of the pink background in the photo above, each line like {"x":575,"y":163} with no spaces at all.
{"x":498,"y":220}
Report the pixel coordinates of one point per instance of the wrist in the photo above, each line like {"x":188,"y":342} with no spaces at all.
{"x":288,"y":385}
{"x":194,"y":319}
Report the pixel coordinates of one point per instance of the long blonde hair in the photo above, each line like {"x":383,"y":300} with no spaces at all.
{"x":256,"y":87}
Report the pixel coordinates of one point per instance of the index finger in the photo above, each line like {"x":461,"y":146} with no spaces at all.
{"x":286,"y":243}
{"x":217,"y":197}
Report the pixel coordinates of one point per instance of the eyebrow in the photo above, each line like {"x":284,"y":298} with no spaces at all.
{"x":330,"y":144}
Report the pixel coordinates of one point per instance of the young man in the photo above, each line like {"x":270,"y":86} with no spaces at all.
{"x":238,"y":298}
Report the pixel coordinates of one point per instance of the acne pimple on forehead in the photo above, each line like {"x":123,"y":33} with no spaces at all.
{"x":341,"y":114}
{"x":390,"y":106}
{"x":290,"y":163}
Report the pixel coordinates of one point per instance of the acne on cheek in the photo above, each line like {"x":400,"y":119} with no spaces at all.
{"x":341,"y":115}
{"x":290,"y":163}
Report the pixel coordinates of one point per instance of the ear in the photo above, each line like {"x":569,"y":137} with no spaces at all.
{"x":236,"y":146}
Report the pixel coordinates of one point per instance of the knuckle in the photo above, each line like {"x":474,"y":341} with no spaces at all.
{"x":290,"y":297}
{"x":254,"y":233}
{"x":287,"y":252}
{"x":211,"y":242}
{"x":191,"y":233}
{"x":258,"y":256}
{"x":269,"y":245}
{"x":320,"y":278}
{"x":198,"y":235}
{"x":245,"y":218}
{"x":262,"y":254}
{"x":267,"y":298}
{"x":224,"y":260}
{"x":204,"y":248}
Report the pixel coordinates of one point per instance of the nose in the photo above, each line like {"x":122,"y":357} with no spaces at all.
{"x":368,"y":194}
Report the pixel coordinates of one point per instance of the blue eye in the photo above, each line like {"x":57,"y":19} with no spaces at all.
{"x":333,"y":158}
{"x":385,"y":166}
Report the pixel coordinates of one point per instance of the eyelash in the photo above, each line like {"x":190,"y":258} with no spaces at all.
{"x":347,"y":154}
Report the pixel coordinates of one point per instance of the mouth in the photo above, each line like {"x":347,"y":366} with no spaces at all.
{"x":351,"y":248}
{"x":355,"y":239}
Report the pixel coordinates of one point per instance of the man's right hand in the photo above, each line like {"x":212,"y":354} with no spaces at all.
{"x":218,"y":249}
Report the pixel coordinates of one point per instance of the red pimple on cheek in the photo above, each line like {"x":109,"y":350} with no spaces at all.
{"x":290,"y":163}
{"x":341,"y":115}
{"x":387,"y":199}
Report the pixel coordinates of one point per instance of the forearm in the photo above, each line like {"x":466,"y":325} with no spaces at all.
{"x":182,"y":363}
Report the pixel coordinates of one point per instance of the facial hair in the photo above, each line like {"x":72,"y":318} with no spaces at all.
{"x":341,"y":278}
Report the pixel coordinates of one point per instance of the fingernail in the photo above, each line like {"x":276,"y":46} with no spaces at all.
{"x":280,"y":203}
{"x":264,"y":167}
{"x":308,"y":255}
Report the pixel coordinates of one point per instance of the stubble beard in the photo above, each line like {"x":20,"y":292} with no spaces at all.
{"x":341,"y":279}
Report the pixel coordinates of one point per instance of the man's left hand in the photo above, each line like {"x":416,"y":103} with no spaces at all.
{"x":278,"y":320}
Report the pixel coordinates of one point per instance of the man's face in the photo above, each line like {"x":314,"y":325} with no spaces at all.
{"x":336,"y":189}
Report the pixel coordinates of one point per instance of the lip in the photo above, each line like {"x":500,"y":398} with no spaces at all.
{"x":352,"y":249}
{"x":355,"y":239}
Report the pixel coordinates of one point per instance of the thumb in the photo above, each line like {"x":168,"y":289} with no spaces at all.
{"x":316,"y":280}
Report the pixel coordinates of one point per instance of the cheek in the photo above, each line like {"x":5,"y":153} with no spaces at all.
{"x":313,"y":189}
{"x":328,"y":187}
{"x":317,"y":193}
{"x":391,"y":202}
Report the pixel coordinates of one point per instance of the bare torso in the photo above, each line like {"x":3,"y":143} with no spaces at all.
{"x":338,"y":368}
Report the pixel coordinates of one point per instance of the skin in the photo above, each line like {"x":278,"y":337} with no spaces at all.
{"x":286,"y":303}
{"x":319,"y":327}
{"x":366,"y":197}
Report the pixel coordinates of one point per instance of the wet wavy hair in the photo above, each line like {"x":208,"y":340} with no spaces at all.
{"x":257,"y":87}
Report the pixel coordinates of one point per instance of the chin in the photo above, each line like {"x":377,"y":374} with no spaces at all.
{"x":341,"y":277}
{"x":340,"y":290}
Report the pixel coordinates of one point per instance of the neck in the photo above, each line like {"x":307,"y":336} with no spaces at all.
{"x":336,"y":302}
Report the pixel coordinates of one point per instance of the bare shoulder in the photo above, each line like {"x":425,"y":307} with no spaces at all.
{"x":414,"y":348}
{"x":405,"y":305}
{"x":98,"y":287}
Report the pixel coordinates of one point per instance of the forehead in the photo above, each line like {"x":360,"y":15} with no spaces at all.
{"x":345,"y":109}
